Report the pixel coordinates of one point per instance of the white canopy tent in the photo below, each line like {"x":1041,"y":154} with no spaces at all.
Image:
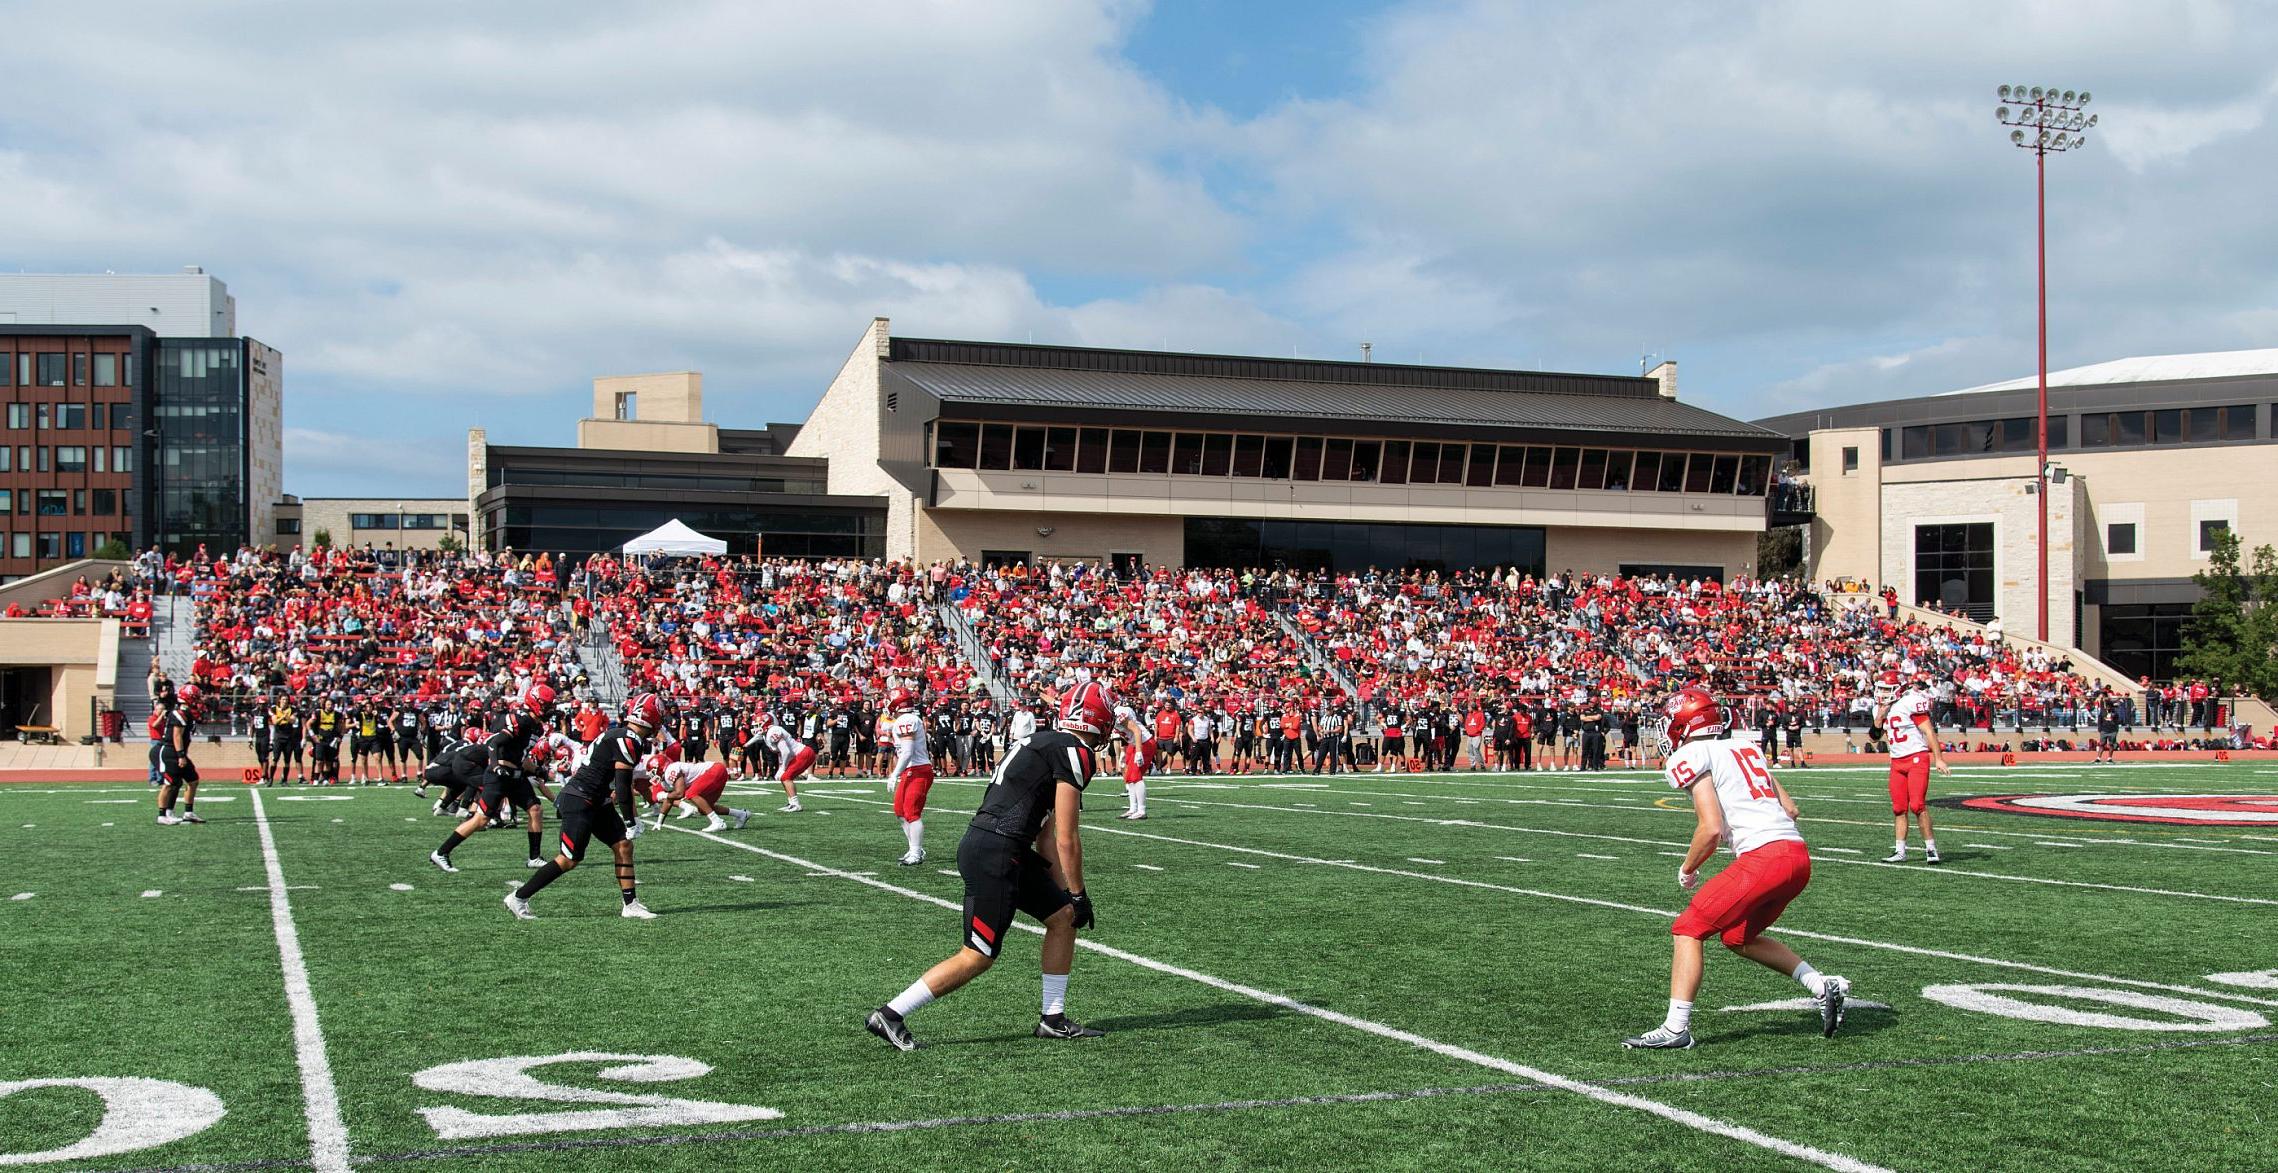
{"x":674,"y":538}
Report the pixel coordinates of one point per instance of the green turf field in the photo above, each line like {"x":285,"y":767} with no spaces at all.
{"x":1415,"y":971}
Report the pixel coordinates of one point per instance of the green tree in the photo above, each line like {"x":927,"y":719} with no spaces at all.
{"x":114,"y":550}
{"x":2233,"y":636}
{"x":450,"y":544}
{"x":1779,"y":552}
{"x":322,"y":540}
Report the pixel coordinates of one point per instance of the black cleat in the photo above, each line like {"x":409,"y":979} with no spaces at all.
{"x":1060,"y":1026}
{"x":889,"y":1026}
{"x":1838,"y":990}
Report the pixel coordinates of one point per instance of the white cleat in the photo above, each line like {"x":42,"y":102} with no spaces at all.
{"x":912,"y":857}
{"x":636,"y":911}
{"x":1898,"y":856}
{"x":742,"y":817}
{"x":686,"y":812}
{"x":442,"y":861}
{"x":191,"y":817}
{"x":167,"y":819}
{"x":1133,"y":815}
{"x":716,"y":823}
{"x":1929,"y":855}
{"x":792,"y":807}
{"x":535,"y":863}
{"x":1660,"y":1038}
{"x":519,"y":907}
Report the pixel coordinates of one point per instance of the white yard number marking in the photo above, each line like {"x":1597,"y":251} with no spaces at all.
{"x":137,"y":1114}
{"x":510,"y":1079}
{"x":2193,"y":1015}
{"x":2261,"y":979}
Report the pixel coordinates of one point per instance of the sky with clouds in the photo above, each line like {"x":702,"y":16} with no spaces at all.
{"x":451,"y":214}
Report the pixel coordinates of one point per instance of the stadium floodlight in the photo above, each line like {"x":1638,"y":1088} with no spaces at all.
{"x":2044,"y":120}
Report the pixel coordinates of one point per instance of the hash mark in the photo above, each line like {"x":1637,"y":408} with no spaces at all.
{"x":1253,"y":867}
{"x":1147,"y":867}
{"x":151,"y":893}
{"x":1421,"y":859}
{"x":1587,"y":855}
{"x":1514,"y":859}
{"x":1844,"y":850}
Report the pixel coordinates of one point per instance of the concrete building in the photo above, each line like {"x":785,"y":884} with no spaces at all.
{"x":118,"y":430}
{"x":385,"y":523}
{"x":1004,"y":452}
{"x":1935,"y":496}
{"x":646,"y":456}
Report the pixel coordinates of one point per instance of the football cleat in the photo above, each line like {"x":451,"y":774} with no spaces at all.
{"x":167,"y":819}
{"x":442,"y":861}
{"x":1898,"y":856}
{"x":792,"y":807}
{"x":686,"y":812}
{"x":1060,"y":1026}
{"x":636,"y":911}
{"x":889,"y":1026}
{"x":742,"y":817}
{"x":1830,"y":1001}
{"x":191,"y":817}
{"x":912,"y":858}
{"x":519,"y":907}
{"x":535,"y":863}
{"x":1660,"y":1038}
{"x":420,"y":791}
{"x":715,"y":823}
{"x":1133,"y":815}
{"x":1929,"y":855}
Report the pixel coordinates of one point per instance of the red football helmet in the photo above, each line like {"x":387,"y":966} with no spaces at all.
{"x":653,"y":765}
{"x":1888,"y":684}
{"x":537,"y":700}
{"x":189,"y":694}
{"x":1692,"y":713}
{"x":901,"y":700}
{"x":1088,"y":708}
{"x":645,"y":709}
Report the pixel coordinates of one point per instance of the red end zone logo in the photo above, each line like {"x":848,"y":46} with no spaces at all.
{"x":2181,"y":810}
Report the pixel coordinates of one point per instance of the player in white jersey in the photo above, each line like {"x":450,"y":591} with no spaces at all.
{"x":1904,"y":715}
{"x":696,"y":787}
{"x":912,"y":776}
{"x":1743,"y":807}
{"x":1139,"y":751}
{"x":796,"y":756}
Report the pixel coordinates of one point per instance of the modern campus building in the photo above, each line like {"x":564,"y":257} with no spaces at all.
{"x":929,"y":449}
{"x":1935,"y":496}
{"x":132,"y":413}
{"x":384,"y":523}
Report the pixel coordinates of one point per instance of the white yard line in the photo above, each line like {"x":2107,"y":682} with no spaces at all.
{"x":1676,"y":1115}
{"x":1665,"y":914}
{"x":1864,"y":863}
{"x":327,"y":1132}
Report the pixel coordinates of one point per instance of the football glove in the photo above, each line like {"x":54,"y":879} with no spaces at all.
{"x":1083,"y":906}
{"x":1686,"y":880}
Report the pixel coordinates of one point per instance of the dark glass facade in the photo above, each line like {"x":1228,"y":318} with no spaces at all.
{"x":194,"y":482}
{"x":2143,"y":639}
{"x":587,"y":528}
{"x":1953,"y":567}
{"x":1358,"y":545}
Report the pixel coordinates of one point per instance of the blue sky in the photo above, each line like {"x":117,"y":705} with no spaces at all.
{"x":451,"y":215}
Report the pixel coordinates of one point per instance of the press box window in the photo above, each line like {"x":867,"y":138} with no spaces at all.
{"x":1850,"y":460}
{"x":2120,"y":538}
{"x":2211,"y":532}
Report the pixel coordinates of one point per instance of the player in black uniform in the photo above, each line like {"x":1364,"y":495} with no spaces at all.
{"x":257,"y":732}
{"x":285,"y":742}
{"x":324,"y":732}
{"x":1022,"y":854}
{"x":506,"y":787}
{"x":407,"y":722}
{"x":178,"y":775}
{"x":457,"y":767}
{"x":598,"y":804}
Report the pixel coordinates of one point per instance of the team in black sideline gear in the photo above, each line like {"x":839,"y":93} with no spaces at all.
{"x":597,"y":803}
{"x":506,"y":787}
{"x":1022,"y":854}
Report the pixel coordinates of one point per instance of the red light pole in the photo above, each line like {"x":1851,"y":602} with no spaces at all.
{"x":2044,"y":121}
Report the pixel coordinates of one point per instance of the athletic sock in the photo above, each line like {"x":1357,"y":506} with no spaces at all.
{"x":533,"y":844}
{"x":914,"y":831}
{"x":1137,"y":794}
{"x":450,"y":844}
{"x":1055,"y":994}
{"x":1680,"y":1017}
{"x":625,"y":885}
{"x":628,"y":895}
{"x":1811,"y":978}
{"x":1898,"y":848}
{"x":911,"y":999}
{"x":538,"y":880}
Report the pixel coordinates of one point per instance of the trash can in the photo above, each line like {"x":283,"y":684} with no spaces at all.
{"x":111,"y":725}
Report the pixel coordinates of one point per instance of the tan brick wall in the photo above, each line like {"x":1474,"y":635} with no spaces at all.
{"x":964,"y":533}
{"x":663,"y":397}
{"x":478,"y":479}
{"x":2014,"y":513}
{"x":70,"y":649}
{"x":1846,"y":531}
{"x":1603,"y":551}
{"x":265,"y":439}
{"x":334,"y":513}
{"x":844,"y":427}
{"x":647,"y":436}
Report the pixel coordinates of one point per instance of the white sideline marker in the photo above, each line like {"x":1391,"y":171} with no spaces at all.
{"x":1987,"y":846}
{"x":1504,"y":858}
{"x":1844,"y":850}
{"x":399,"y":887}
{"x":741,"y":879}
{"x":1676,"y":1115}
{"x":151,"y":894}
{"x":327,"y":1133}
{"x":1229,"y":863}
{"x":1806,"y":1004}
{"x":1420,"y":859}
{"x":1587,"y":855}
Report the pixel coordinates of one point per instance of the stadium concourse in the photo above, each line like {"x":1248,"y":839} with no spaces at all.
{"x":284,"y":641}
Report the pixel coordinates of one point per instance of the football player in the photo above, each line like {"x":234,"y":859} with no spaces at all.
{"x":797,"y":756}
{"x":912,"y":776}
{"x":695,"y":786}
{"x":1138,"y":757}
{"x":178,"y":775}
{"x":444,"y":769}
{"x":1021,"y":853}
{"x":506,"y":787}
{"x":1738,"y":803}
{"x":1904,"y":714}
{"x":407,"y":722}
{"x":598,"y":804}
